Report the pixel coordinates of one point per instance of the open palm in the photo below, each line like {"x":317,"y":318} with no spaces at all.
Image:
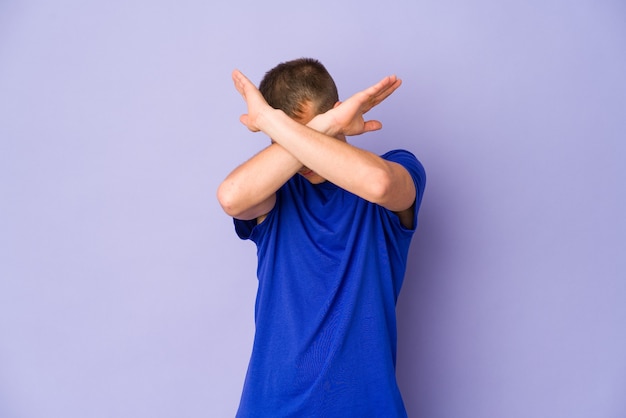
{"x":253,"y":97}
{"x":348,"y":116}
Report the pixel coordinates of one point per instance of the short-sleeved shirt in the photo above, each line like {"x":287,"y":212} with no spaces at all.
{"x":330,"y":268}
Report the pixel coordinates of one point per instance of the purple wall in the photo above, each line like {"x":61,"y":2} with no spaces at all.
{"x":124,"y":291}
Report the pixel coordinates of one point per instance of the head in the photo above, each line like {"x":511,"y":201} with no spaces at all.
{"x":299,"y":88}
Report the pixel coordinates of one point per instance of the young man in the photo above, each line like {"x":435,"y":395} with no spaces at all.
{"x":332,"y":224}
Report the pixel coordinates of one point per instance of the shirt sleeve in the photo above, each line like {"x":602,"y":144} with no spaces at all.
{"x":416,"y":170}
{"x":244,"y":228}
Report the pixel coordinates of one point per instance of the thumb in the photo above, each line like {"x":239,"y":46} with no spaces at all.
{"x":245,"y":119}
{"x":372,"y":125}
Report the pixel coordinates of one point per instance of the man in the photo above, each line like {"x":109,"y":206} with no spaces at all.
{"x":332,"y":224}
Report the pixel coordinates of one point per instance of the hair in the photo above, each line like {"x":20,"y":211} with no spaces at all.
{"x":292,"y":84}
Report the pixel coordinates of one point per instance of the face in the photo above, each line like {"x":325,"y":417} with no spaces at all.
{"x":305,"y":118}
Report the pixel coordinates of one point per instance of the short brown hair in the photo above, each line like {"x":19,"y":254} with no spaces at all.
{"x":291,"y":84}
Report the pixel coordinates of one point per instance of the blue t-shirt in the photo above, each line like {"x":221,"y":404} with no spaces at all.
{"x":330,"y":267}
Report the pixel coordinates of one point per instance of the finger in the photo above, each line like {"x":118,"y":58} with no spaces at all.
{"x":244,"y":119}
{"x":241,"y":81}
{"x":236,"y":76}
{"x":390,"y":85}
{"x":381,"y":91}
{"x":372,"y":125}
{"x":382,"y":85}
{"x":383,"y":88}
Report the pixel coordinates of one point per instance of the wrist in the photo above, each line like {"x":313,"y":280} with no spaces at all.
{"x":324,"y":123}
{"x":264,"y":118}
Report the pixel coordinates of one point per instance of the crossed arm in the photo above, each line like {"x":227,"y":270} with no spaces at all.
{"x":249,"y":191}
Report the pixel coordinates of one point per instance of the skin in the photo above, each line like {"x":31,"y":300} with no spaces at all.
{"x":314,"y":146}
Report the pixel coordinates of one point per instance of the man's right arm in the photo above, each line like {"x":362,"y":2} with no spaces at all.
{"x":249,"y":191}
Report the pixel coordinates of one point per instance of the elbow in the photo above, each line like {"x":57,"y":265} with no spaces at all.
{"x":380,"y":186}
{"x":227,"y":199}
{"x":237,"y":202}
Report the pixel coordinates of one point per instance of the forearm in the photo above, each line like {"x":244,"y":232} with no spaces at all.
{"x":356,"y":170}
{"x":249,"y":190}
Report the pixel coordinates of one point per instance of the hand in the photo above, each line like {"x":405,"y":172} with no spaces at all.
{"x":347,"y":117}
{"x":254,"y":99}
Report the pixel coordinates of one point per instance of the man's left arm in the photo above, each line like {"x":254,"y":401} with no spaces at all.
{"x":356,"y":170}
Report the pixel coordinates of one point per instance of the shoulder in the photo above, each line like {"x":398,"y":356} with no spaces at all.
{"x":404,"y":157}
{"x":410,"y":162}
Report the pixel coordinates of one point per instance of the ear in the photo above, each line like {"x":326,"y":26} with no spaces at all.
{"x":337,"y":104}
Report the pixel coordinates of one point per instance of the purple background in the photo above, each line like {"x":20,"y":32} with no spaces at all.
{"x":124,"y":291}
